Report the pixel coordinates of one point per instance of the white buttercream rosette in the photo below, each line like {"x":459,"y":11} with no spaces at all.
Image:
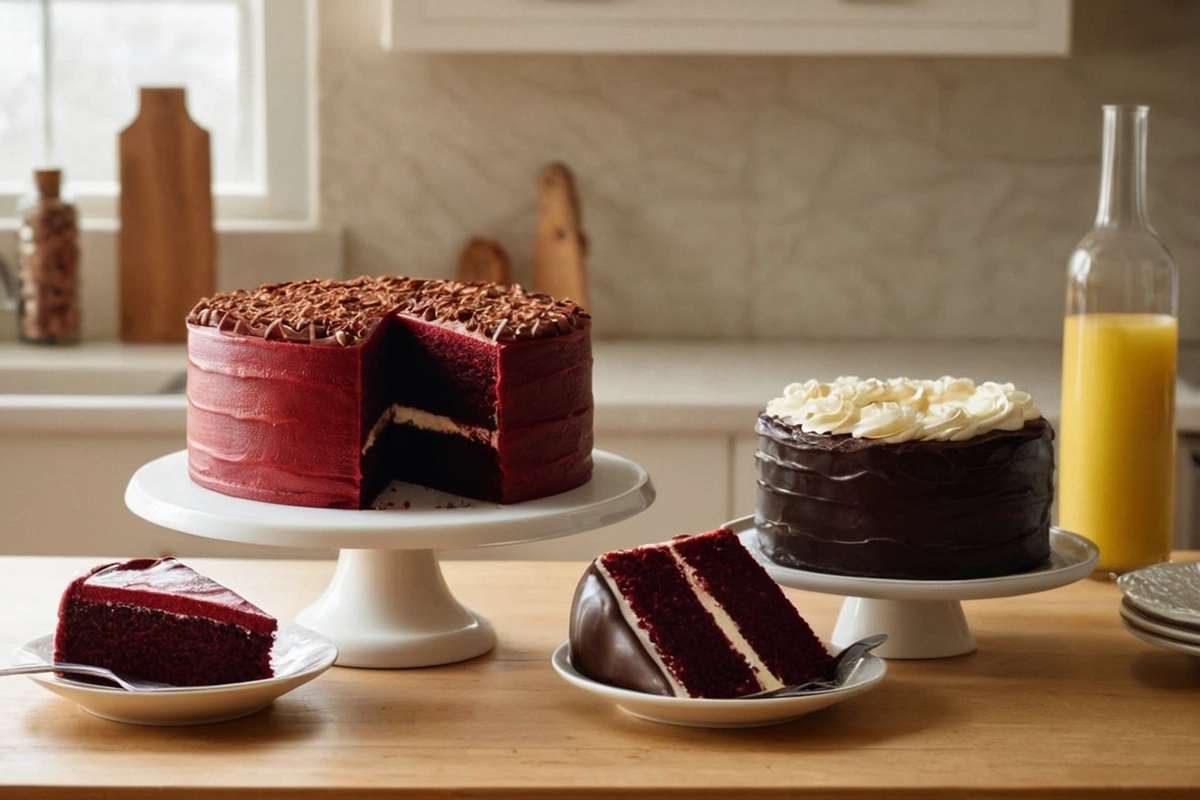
{"x":902,"y":409}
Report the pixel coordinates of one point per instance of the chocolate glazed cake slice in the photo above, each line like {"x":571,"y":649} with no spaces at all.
{"x":693,"y":617}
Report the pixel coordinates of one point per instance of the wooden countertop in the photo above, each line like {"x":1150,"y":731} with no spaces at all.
{"x":1058,"y":701}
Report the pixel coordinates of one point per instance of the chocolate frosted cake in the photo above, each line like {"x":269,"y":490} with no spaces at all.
{"x":927,"y":480}
{"x":693,"y":617}
{"x":319,"y":393}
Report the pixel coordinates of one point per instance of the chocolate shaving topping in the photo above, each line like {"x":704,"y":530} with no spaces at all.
{"x":344,"y":313}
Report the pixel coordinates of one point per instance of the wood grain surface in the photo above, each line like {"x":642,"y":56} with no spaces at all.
{"x":166,"y":247}
{"x":1059,"y":701}
{"x":560,"y":245}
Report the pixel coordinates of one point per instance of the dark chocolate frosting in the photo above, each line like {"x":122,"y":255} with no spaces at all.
{"x":603,"y":646}
{"x":916,"y":510}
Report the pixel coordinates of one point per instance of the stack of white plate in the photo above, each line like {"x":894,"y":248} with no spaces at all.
{"x":1162,"y":605}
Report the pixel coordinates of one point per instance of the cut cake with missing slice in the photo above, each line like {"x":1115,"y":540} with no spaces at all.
{"x":697,"y":616}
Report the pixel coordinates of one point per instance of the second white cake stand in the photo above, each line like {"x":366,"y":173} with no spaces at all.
{"x":388,"y":605}
{"x":924,"y":619}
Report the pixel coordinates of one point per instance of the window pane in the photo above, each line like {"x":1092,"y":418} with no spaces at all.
{"x":20,"y":91}
{"x":104,"y":50}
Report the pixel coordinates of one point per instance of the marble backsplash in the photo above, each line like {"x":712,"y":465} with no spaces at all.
{"x":772,"y":197}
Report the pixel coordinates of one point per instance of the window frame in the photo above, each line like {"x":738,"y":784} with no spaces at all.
{"x":283,"y":78}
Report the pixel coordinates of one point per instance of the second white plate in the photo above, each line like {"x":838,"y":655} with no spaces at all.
{"x":1161,"y":641}
{"x":704,"y":713}
{"x":299,"y":655}
{"x":1133,"y":616}
{"x":1170,"y":590}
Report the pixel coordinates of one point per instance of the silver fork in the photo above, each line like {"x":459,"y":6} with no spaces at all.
{"x":843,"y":665}
{"x":128,"y":684}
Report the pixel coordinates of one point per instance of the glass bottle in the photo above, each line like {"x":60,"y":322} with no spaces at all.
{"x":1120,"y":341}
{"x":48,"y":263}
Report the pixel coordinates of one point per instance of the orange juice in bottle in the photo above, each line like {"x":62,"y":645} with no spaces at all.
{"x":1116,"y":442}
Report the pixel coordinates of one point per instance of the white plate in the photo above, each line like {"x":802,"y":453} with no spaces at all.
{"x":1130,"y":614}
{"x":299,"y":655}
{"x":1170,"y":590}
{"x":1072,"y":557}
{"x":702,"y":713}
{"x":1161,"y":641}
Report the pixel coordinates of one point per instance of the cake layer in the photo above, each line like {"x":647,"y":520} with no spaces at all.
{"x":435,"y":368}
{"x":764,"y":616}
{"x":917,"y":509}
{"x":135,"y":643}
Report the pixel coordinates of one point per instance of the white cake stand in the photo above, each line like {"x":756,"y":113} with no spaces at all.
{"x":388,"y":605}
{"x":924,"y":619}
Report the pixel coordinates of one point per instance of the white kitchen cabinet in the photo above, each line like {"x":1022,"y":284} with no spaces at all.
{"x":65,"y":495}
{"x":743,"y":474}
{"x":842,"y":27}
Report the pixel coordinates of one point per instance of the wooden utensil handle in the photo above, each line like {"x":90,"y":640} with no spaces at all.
{"x":560,"y":245}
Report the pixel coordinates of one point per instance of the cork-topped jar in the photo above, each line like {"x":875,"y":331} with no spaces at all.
{"x":48,"y":259}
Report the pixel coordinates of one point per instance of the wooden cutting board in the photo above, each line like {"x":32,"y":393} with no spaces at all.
{"x":166,"y":249}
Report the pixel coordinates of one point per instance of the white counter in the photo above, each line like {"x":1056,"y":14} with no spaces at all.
{"x":76,"y":422}
{"x":639,"y":386}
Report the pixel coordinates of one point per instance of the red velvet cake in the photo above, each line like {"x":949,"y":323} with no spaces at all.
{"x":319,"y":393}
{"x":697,"y":616}
{"x":160,"y":620}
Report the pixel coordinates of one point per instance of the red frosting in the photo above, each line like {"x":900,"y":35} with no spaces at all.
{"x":273,"y":421}
{"x":167,"y":585}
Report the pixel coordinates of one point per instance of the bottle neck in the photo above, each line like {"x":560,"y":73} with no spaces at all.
{"x":1123,"y":176}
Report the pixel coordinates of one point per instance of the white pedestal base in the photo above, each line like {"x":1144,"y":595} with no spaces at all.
{"x":392,"y":609}
{"x":915,"y":628}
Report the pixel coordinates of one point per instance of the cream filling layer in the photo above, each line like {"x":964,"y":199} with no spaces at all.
{"x":766,"y":678}
{"x":406,"y":415}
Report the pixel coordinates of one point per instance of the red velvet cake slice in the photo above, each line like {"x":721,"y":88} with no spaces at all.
{"x":160,"y":620}
{"x":697,"y":616}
